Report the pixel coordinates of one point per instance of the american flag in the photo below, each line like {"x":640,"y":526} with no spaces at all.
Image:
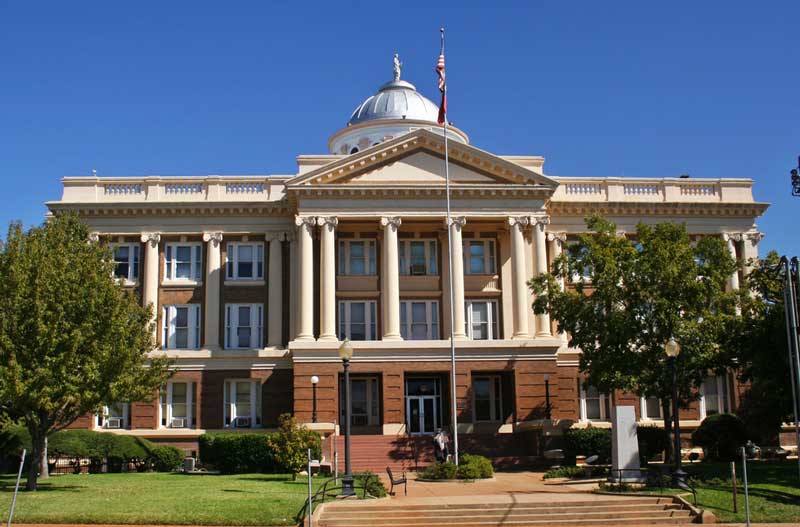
{"x":442,"y":86}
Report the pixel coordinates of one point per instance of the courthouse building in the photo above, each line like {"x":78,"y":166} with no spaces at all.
{"x":256,"y":279}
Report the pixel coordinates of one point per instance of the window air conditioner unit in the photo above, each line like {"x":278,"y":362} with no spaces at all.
{"x":242,"y":422}
{"x":417,"y":270}
{"x":178,"y":422}
{"x":113,"y":422}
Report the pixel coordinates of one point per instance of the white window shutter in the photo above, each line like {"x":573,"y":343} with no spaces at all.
{"x":172,"y":319}
{"x":194,"y":321}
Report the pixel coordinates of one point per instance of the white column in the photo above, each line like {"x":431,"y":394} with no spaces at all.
{"x":291,"y":237}
{"x":557,"y":240}
{"x":457,"y":257}
{"x":305,"y":319}
{"x":275,"y":290}
{"x":391,"y":314}
{"x":540,"y":248}
{"x":150,"y":289}
{"x":750,"y":250}
{"x":520,"y":289}
{"x":327,"y":282}
{"x":213,"y":282}
{"x":731,"y":239}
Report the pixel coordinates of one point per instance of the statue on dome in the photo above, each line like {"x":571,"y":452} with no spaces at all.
{"x":397,"y":67}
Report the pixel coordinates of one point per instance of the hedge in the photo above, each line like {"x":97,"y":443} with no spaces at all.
{"x":721,"y":436}
{"x":235,"y":453}
{"x":469,"y":467}
{"x":99,"y":447}
{"x":597,"y":441}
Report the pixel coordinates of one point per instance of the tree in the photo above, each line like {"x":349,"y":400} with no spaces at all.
{"x":291,"y":443}
{"x":759,"y":344}
{"x":628,"y":297}
{"x":71,"y":337}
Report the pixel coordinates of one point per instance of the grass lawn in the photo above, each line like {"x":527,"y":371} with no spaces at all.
{"x":159,"y":498}
{"x":774,"y":490}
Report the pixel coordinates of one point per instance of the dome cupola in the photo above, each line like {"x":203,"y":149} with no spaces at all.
{"x":396,"y":109}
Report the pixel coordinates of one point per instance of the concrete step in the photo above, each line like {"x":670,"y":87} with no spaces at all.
{"x":511,"y":509}
{"x":636,"y":520}
{"x":545,"y":505}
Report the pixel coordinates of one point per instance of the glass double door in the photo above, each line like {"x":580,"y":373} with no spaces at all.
{"x":422,"y":414}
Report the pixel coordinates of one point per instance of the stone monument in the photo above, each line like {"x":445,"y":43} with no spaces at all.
{"x":624,"y":447}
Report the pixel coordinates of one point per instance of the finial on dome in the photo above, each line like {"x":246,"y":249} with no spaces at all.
{"x":397,"y":67}
{"x":94,"y":172}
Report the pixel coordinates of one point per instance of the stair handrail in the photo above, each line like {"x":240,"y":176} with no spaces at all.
{"x":335,"y":491}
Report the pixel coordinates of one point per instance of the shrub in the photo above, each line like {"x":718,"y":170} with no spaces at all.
{"x":721,"y":436}
{"x":166,"y":458}
{"x":291,"y":443}
{"x":445,"y":470}
{"x":234,"y":453}
{"x":587,"y":442}
{"x":375,"y":486}
{"x":474,"y":467}
{"x":652,"y":441}
{"x":565,"y":472}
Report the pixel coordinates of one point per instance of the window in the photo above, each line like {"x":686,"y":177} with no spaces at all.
{"x":364,"y":401}
{"x":126,"y":262}
{"x":242,"y":403}
{"x":482,"y":319}
{"x":243,"y":325}
{"x":714,"y":396}
{"x":177,"y":405}
{"x":357,"y":319}
{"x":595,"y":406}
{"x":480,"y":257}
{"x":356,"y":257}
{"x":488,"y":398}
{"x":245,"y":261}
{"x":113,"y":416}
{"x":182,"y":262}
{"x":419,"y":319}
{"x":418,"y":257}
{"x":181,"y":326}
{"x":651,"y":408}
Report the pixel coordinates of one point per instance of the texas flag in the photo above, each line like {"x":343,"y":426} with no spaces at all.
{"x":442,"y":86}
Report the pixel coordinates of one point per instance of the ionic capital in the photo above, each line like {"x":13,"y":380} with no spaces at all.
{"x":328,"y":221}
{"x":518,"y":221}
{"x":754,"y":237}
{"x":732,"y":236}
{"x":94,"y":237}
{"x":457,"y":221}
{"x":393,"y":222}
{"x":275,"y":236}
{"x":539,"y":222}
{"x":560,"y":237}
{"x":214,"y":237}
{"x":306,"y":222}
{"x":151,"y":238}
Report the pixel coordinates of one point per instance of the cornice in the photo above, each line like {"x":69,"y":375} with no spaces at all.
{"x":281,"y":208}
{"x":563,"y":208}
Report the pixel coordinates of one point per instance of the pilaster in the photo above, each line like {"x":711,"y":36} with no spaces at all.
{"x":213,"y":283}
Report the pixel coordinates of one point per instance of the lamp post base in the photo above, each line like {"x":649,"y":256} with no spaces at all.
{"x":348,"y":486}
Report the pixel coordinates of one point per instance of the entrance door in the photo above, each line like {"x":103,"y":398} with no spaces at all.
{"x":422,"y":414}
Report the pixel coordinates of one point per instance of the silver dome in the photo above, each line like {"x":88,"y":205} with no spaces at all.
{"x":397,"y":99}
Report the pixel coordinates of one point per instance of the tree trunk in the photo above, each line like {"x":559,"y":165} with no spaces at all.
{"x":38,"y":447}
{"x":666,"y":411}
{"x":44,"y":469}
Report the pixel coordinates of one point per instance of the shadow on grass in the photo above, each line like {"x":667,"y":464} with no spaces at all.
{"x":266,"y":478}
{"x":46,"y":488}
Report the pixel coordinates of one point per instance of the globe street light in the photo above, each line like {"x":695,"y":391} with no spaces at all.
{"x":795,"y":176}
{"x":346,"y":353}
{"x":673,"y":349}
{"x":547,"y":408}
{"x":314,"y":381}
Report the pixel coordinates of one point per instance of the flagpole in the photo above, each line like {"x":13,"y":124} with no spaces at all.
{"x":450,"y":276}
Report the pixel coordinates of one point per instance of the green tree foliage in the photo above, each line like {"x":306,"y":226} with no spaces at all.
{"x":291,"y":443}
{"x":71,"y":337}
{"x":628,"y":296}
{"x":759,"y":343}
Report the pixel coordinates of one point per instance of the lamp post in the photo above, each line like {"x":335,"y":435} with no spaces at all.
{"x":346,"y":353}
{"x":547,"y":396}
{"x":673,"y":349}
{"x":314,"y":381}
{"x":796,"y":179}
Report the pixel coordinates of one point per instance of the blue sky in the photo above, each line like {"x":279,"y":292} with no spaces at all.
{"x":598,"y":88}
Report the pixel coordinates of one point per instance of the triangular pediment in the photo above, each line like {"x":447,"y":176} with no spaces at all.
{"x":417,"y":158}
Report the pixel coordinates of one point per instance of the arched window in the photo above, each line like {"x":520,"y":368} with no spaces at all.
{"x":354,"y":150}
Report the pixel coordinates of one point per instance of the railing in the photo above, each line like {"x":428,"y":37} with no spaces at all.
{"x":652,"y":477}
{"x":171,"y":189}
{"x":675,"y":190}
{"x":330,"y":490}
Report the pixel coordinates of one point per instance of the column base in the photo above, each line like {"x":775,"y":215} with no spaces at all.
{"x":543,"y":334}
{"x":460,"y":337}
{"x":521,"y":336}
{"x":392,"y":337}
{"x":328,"y":338}
{"x":306,"y":338}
